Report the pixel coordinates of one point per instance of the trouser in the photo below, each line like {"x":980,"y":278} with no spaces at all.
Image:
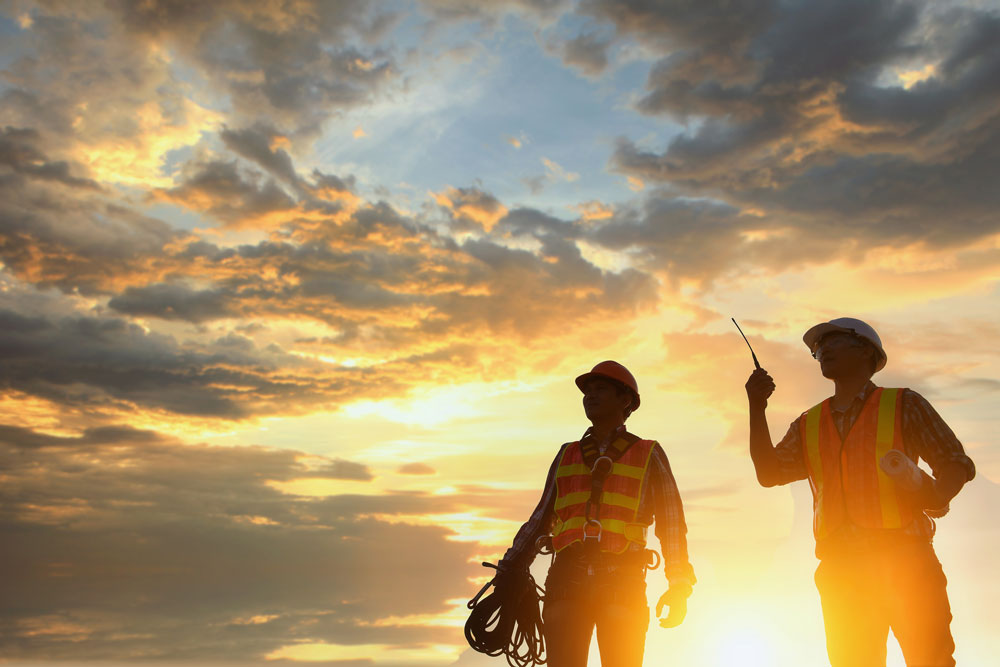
{"x":578,"y":600}
{"x":867,"y":589}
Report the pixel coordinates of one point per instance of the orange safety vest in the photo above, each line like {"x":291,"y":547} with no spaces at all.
{"x":848,"y":484}
{"x":619,"y":503}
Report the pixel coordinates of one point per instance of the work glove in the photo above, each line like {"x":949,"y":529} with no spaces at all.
{"x":677,"y":599}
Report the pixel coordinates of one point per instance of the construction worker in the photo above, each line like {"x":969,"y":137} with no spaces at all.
{"x":877,"y":567}
{"x":601,"y":494}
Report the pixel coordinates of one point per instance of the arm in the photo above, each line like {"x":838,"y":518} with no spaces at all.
{"x":671,"y":530}
{"x":522,"y":551}
{"x":935,"y":442}
{"x":759,"y":387}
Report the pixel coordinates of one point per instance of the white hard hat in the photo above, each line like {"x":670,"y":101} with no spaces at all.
{"x":849,"y":325}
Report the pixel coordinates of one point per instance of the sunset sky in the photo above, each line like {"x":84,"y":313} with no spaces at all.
{"x":293,"y":294}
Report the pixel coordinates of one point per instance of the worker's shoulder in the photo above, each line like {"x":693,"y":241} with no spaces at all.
{"x":657,"y":448}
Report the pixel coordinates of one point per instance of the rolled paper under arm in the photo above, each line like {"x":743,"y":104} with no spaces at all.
{"x":908,"y":475}
{"x":903,"y":470}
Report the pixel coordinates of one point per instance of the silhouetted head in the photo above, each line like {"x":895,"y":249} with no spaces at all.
{"x":846,"y":347}
{"x":610,"y":392}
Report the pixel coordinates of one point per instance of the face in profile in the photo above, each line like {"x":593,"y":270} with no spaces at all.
{"x":603,"y":400}
{"x":841,"y":353}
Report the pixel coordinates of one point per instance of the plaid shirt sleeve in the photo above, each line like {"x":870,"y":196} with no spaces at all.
{"x":522,"y":551}
{"x":668,"y":513}
{"x":791,"y":460}
{"x":930,"y":437}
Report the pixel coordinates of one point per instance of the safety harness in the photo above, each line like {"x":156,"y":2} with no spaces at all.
{"x":599,"y":471}
{"x":508,"y":620}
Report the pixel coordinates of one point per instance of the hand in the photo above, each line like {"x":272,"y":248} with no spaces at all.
{"x":929,"y":497}
{"x":760,"y":386}
{"x":677,"y":600}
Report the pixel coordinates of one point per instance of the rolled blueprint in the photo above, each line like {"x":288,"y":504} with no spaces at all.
{"x":903,"y":470}
{"x":908,"y":475}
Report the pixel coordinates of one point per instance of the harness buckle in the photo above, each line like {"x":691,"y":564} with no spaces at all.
{"x":602,"y":467}
{"x":543,"y":545}
{"x":600,"y":529}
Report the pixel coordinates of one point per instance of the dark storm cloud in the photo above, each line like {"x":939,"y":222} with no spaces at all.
{"x":791,"y":113}
{"x":122,"y":542}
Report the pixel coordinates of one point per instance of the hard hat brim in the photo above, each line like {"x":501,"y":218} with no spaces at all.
{"x":812,"y":337}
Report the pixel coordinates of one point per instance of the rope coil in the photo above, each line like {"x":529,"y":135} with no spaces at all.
{"x":508,"y":620}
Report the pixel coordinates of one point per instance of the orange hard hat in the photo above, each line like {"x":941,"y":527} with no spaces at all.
{"x":615,"y":372}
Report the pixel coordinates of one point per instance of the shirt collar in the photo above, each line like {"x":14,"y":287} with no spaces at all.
{"x":617,"y":433}
{"x":862,"y":396}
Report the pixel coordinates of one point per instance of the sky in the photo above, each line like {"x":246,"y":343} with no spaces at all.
{"x":293,"y":294}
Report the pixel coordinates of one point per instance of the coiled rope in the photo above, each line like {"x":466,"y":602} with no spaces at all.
{"x":509,"y":619}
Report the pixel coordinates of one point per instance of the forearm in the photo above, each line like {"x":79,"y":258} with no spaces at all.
{"x":948,"y":481}
{"x":765,"y":461}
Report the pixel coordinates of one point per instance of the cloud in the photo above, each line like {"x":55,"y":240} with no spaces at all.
{"x":111,"y":366}
{"x":588,"y":53}
{"x":791,"y":118}
{"x":555,"y":171}
{"x":471,"y":206}
{"x":124,"y":542}
{"x":18,"y":151}
{"x":415,"y":469}
{"x":238,"y":199}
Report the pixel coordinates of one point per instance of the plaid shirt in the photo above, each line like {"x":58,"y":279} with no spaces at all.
{"x":660,"y":502}
{"x":925,"y":436}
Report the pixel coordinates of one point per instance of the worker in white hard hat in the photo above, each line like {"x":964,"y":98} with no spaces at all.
{"x":877,"y":568}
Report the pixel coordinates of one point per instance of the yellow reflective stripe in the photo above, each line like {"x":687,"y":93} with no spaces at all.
{"x":636,"y":532}
{"x":571,"y":499}
{"x":885,"y":434}
{"x":625,"y":470}
{"x":816,"y":462}
{"x":607,"y":525}
{"x":619,"y":500}
{"x":572,"y":469}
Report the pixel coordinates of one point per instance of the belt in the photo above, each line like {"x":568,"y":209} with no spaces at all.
{"x":577,"y":557}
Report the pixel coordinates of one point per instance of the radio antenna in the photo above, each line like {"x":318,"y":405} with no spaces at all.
{"x":755,"y":362}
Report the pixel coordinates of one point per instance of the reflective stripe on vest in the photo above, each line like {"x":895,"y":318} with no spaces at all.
{"x":847,"y":482}
{"x":619,"y":504}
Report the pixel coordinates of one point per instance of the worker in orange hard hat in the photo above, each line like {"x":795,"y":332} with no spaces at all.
{"x":872,"y":505}
{"x":601,"y":494}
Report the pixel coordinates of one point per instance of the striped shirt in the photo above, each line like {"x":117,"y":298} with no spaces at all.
{"x":925,"y":436}
{"x":660,"y":503}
